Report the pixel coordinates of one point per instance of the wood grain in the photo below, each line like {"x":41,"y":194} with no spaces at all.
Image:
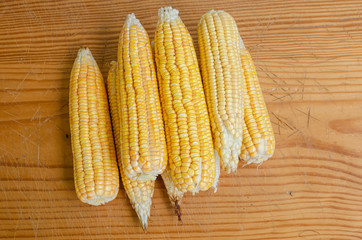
{"x":307,"y":54}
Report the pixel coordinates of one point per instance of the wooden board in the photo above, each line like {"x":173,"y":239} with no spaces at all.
{"x":308,"y":57}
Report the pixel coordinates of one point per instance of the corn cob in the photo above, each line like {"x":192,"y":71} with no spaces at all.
{"x":221,"y":69}
{"x":258,"y":137}
{"x":190,"y":148}
{"x":143,"y":145}
{"x":139,"y":193}
{"x":96,"y":176}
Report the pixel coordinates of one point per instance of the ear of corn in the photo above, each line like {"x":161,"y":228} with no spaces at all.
{"x":218,"y":39}
{"x":258,"y":137}
{"x":143,"y":145}
{"x":139,"y":192}
{"x":96,"y":176}
{"x":190,"y":148}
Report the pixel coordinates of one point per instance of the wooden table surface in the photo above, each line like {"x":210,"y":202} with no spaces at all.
{"x":308,"y":57}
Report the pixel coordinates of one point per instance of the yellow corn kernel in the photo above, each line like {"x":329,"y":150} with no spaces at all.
{"x":143,"y":145}
{"x":188,"y":134}
{"x":221,"y":69}
{"x":96,"y":176}
{"x":258,"y":136}
{"x":139,"y":192}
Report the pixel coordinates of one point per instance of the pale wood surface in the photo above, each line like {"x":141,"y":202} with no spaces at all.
{"x":307,"y":54}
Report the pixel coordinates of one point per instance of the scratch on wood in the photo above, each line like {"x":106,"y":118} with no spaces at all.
{"x":267,"y":74}
{"x":302,"y":83}
{"x":308,"y":233}
{"x":327,"y":132}
{"x":307,"y":114}
{"x":308,"y":118}
{"x":279,"y":126}
{"x":291,"y":127}
{"x":22,"y":81}
{"x":36,"y":113}
{"x":279,"y":98}
{"x":14,"y":120}
{"x":293,"y":133}
{"x":278,"y":78}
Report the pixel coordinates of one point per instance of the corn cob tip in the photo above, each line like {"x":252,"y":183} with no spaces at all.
{"x":217,"y":175}
{"x":113,"y":65}
{"x":132,"y":20}
{"x":167,"y":14}
{"x":174,"y":194}
{"x":100,"y":200}
{"x":83,"y":51}
{"x":143,"y":215}
{"x":87,"y":53}
{"x":208,"y":13}
{"x":212,"y":11}
{"x":231,"y":153}
{"x":242,"y":46}
{"x":262,"y":154}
